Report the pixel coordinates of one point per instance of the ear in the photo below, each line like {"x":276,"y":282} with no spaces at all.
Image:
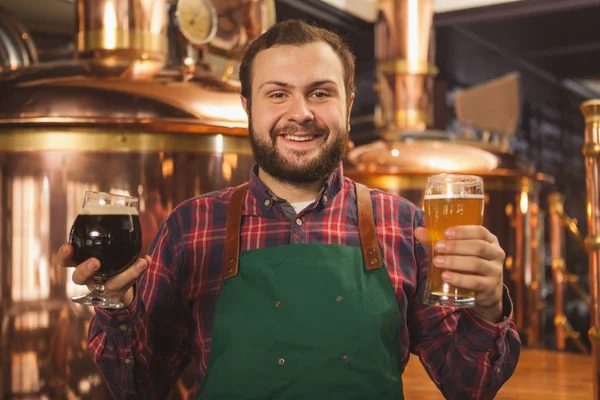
{"x":245,"y":105}
{"x":350,"y":103}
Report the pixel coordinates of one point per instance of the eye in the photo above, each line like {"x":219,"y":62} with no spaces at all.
{"x":320,"y":94}
{"x":277,"y":95}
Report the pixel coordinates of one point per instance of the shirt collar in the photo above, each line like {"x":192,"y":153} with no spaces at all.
{"x":330,"y":189}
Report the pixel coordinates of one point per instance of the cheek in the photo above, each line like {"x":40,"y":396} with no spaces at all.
{"x":264,"y":118}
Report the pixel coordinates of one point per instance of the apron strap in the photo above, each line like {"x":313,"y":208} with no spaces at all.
{"x":366,"y":227}
{"x":233,"y":225}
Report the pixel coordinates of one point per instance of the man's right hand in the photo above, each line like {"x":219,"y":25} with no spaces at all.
{"x":117,"y":288}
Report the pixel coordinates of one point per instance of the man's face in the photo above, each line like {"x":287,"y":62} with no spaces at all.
{"x":298,"y":116}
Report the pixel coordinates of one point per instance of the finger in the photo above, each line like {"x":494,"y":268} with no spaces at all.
{"x":477,"y":283}
{"x":85,"y":271}
{"x":64,"y":256}
{"x":422,"y":236}
{"x":470,"y":247}
{"x":471,"y":232}
{"x":128,"y":277}
{"x":467,"y":265}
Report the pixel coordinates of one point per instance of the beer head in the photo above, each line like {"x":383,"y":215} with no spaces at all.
{"x":96,"y":209}
{"x":100,"y":203}
{"x":454,"y":185}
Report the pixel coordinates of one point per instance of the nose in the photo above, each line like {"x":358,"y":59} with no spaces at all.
{"x":300,"y":111}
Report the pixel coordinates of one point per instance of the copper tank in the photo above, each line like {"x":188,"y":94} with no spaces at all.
{"x":114,"y":119}
{"x":408,"y":150}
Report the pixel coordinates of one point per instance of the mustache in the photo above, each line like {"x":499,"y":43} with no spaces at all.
{"x":308,"y":127}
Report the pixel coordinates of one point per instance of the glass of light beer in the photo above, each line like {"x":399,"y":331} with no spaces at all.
{"x":108,"y":228}
{"x":450,"y":200}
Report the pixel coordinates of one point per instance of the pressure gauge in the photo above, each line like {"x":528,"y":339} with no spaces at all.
{"x":196,"y":20}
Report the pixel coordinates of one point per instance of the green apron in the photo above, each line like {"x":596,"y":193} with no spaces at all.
{"x":305,"y":321}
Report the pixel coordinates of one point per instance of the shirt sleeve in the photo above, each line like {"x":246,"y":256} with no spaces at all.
{"x":466,"y":356}
{"x":141,"y":350}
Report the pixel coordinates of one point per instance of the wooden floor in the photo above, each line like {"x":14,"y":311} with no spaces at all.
{"x":540,"y":374}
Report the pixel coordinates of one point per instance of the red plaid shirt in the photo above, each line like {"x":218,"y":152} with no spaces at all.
{"x":142,"y":350}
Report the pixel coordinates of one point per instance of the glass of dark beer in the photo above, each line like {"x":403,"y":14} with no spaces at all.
{"x":107,"y":228}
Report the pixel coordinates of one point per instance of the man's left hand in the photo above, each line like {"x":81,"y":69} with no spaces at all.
{"x":473,"y":260}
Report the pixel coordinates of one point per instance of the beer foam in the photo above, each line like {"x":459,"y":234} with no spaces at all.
{"x":108,"y":210}
{"x":454,"y":196}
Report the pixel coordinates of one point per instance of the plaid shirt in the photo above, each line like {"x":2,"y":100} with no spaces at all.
{"x":142,"y":350}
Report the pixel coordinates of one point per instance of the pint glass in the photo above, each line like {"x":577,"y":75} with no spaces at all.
{"x":107,"y":228}
{"x":450,"y":200}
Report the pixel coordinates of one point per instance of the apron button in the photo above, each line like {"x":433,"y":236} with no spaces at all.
{"x":281,"y":361}
{"x":339,"y":299}
{"x":277,"y":304}
{"x":345,"y":357}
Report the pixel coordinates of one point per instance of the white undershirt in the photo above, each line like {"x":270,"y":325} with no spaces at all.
{"x":302,"y":205}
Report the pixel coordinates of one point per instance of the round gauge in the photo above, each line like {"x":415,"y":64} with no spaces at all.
{"x":196,"y":20}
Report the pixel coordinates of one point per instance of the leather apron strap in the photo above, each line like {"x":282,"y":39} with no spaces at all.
{"x":366,"y":227}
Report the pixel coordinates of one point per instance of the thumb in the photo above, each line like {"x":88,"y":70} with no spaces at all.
{"x":421,"y":235}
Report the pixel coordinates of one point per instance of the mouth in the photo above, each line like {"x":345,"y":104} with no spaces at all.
{"x":300,"y":138}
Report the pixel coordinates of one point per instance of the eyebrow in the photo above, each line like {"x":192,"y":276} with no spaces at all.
{"x":312,"y":85}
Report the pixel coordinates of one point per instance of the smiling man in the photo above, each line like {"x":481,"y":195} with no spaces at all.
{"x":301,"y":284}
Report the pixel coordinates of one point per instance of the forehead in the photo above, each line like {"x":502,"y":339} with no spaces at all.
{"x":298,"y":65}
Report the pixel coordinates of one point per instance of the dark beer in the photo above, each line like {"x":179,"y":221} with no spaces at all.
{"x":111,"y":234}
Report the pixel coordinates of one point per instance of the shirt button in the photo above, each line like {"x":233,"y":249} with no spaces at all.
{"x":122,"y":318}
{"x":498,"y":370}
{"x":281,"y":361}
{"x":324,"y":198}
{"x":267,"y":202}
{"x":128,"y":361}
{"x":123,"y":327}
{"x":298,"y":221}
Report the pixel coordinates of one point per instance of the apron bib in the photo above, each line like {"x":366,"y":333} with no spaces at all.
{"x":305,"y":321}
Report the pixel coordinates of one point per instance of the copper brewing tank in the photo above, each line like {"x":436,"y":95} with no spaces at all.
{"x":114,"y":119}
{"x":409,"y":151}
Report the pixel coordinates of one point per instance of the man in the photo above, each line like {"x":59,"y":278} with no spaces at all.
{"x":301,"y":285}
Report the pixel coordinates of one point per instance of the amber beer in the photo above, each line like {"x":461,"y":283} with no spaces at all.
{"x":462,"y":204}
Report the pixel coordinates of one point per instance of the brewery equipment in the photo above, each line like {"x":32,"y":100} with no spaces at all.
{"x":591,"y":152}
{"x":558,"y":220}
{"x":117,"y":119}
{"x":409,"y":150}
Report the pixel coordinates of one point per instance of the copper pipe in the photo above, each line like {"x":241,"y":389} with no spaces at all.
{"x":591,"y":152}
{"x":557,"y":250}
{"x":535,"y":303}
{"x":405,"y":67}
{"x":127,"y":38}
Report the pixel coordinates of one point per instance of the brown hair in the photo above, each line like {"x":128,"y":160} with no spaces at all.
{"x":296,"y":33}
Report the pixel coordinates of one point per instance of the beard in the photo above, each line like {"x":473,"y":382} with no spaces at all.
{"x":273,"y":162}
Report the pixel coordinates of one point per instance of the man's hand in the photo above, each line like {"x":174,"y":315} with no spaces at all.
{"x":118,"y":288}
{"x":473,"y":259}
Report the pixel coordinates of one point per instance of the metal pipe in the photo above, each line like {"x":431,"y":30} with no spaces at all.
{"x":125,"y":38}
{"x":405,"y":67}
{"x":555,"y":200}
{"x":591,"y":152}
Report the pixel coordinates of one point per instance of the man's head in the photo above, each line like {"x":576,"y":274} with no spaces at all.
{"x":298,"y":88}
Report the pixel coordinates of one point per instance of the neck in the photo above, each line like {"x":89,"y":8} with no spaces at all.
{"x":292,"y":192}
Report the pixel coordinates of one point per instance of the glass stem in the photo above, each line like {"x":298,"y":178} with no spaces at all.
{"x":99,"y":285}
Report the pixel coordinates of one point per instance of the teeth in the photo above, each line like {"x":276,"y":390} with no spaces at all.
{"x":299,"y":138}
